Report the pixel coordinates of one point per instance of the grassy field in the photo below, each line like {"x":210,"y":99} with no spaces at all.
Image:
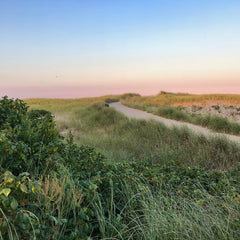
{"x":153,"y":183}
{"x":170,"y":105}
{"x":184,"y":99}
{"x":121,"y":139}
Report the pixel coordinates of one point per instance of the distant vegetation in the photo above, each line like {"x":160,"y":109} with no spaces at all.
{"x":121,"y":139}
{"x":164,"y":104}
{"x":111,"y":100}
{"x":185,"y":99}
{"x":123,"y":96}
{"x":155,"y":183}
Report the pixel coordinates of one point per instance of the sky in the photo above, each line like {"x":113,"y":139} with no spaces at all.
{"x":77,"y":48}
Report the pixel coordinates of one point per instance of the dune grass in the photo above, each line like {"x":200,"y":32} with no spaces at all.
{"x":170,"y":105}
{"x":157,"y":183}
{"x":214,"y":122}
{"x":185,"y":99}
{"x":121,"y":139}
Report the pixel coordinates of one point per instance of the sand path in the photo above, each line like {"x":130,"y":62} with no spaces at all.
{"x":139,"y":114}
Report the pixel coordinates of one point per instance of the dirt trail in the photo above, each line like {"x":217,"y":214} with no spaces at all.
{"x":139,"y":114}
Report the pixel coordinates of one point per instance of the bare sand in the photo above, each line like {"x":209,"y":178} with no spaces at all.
{"x":139,"y":114}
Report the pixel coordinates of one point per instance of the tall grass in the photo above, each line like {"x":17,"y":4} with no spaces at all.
{"x":160,"y":214}
{"x":172,"y":197}
{"x":214,"y":122}
{"x":187,"y":219}
{"x":122,"y":139}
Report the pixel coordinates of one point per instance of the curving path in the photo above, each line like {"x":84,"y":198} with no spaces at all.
{"x":139,"y":114}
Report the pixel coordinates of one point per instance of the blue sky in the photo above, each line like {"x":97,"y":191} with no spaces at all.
{"x":71,"y":48}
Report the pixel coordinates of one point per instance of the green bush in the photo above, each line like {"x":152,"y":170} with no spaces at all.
{"x":27,"y":142}
{"x":55,"y":189}
{"x":37,"y":114}
{"x":16,"y":195}
{"x":11,"y":112}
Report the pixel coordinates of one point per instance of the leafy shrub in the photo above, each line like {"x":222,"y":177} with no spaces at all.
{"x":30,"y":145}
{"x":73,"y":192}
{"x":16,"y":194}
{"x":37,"y":114}
{"x":11,"y":112}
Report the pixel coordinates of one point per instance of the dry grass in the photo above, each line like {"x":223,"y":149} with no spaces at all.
{"x":64,"y":105}
{"x":183,"y":99}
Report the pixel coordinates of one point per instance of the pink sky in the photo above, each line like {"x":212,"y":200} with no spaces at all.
{"x":79,"y":92}
{"x":79,"y":49}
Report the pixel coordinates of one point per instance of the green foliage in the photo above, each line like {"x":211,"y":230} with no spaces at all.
{"x":11,"y":112}
{"x":123,"y":139}
{"x":173,"y":112}
{"x":111,"y":100}
{"x":37,"y":114}
{"x":100,"y":115}
{"x":171,"y":93}
{"x":216,"y":123}
{"x":30,"y":145}
{"x":130,"y":95}
{"x":73,"y":192}
{"x":216,"y":107}
{"x":16,"y":193}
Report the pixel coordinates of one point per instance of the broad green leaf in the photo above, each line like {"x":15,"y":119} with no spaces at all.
{"x":23,"y":188}
{"x":14,"y":204}
{"x":24,"y":174}
{"x":35,"y":187}
{"x":93,"y":187}
{"x":5,"y":191}
{"x":9,"y":177}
